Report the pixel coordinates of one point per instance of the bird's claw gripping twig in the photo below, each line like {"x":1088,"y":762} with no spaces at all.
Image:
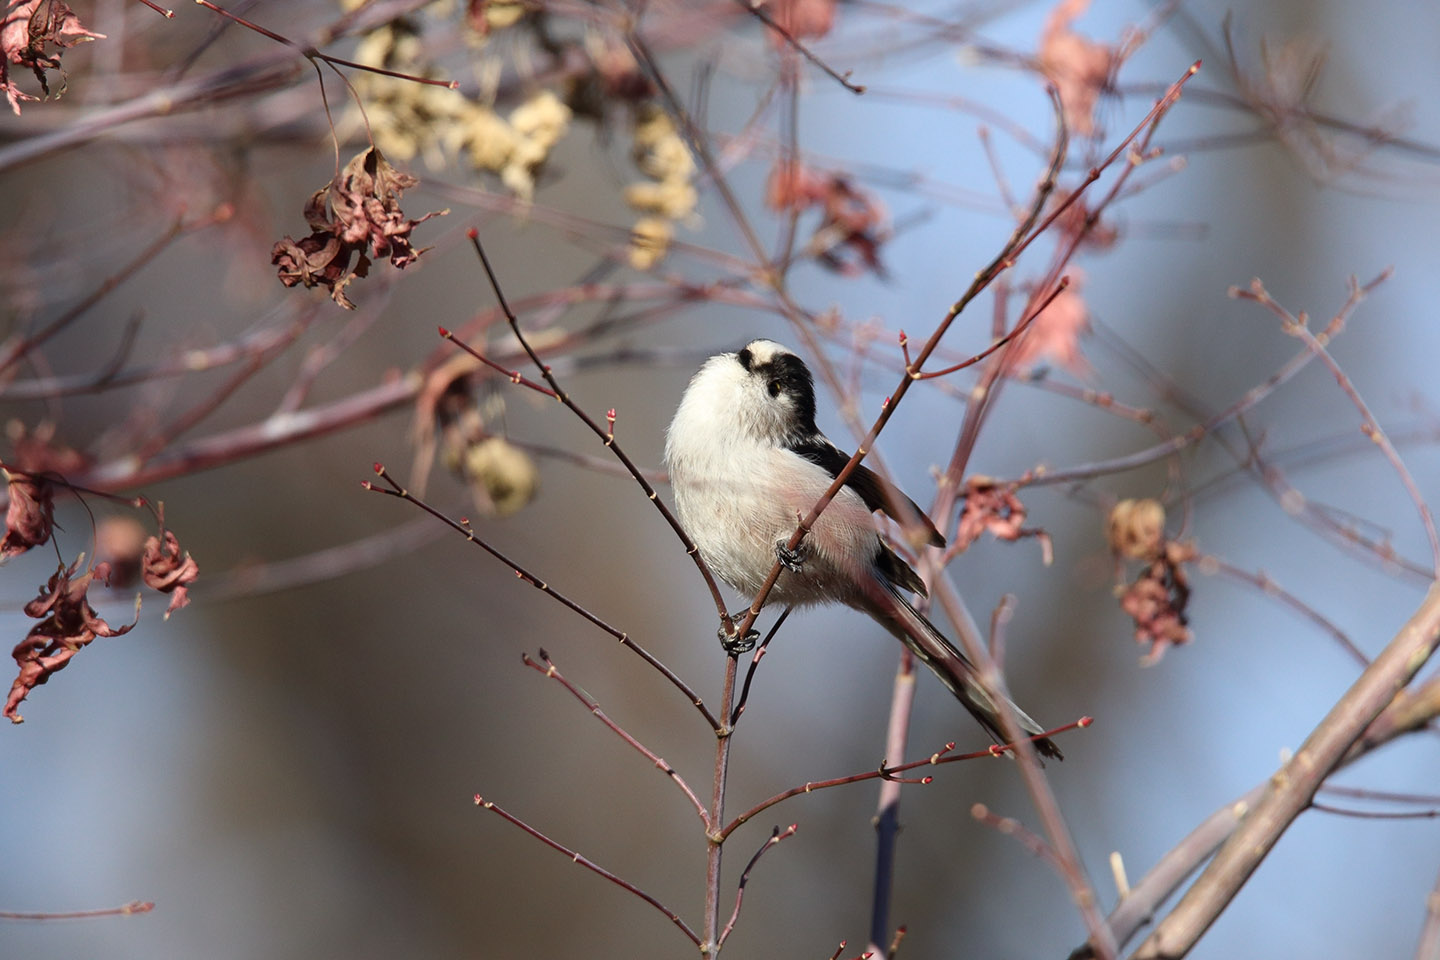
{"x":736,"y":644}
{"x":791,"y":560}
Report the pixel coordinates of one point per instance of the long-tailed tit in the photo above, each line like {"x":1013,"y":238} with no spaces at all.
{"x":747,"y":461}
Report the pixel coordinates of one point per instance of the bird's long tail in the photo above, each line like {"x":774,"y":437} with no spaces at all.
{"x":953,"y":669}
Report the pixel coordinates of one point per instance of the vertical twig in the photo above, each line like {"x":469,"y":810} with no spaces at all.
{"x":887,"y":807}
{"x":1429,"y":946}
{"x":710,"y":943}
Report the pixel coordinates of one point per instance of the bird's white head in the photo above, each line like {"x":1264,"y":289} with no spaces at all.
{"x":761,"y":392}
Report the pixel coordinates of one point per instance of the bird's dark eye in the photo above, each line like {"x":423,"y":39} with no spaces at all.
{"x":774,"y":388}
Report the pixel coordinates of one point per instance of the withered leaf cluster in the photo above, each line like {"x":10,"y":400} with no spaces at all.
{"x":30,"y":515}
{"x":1156,"y":599}
{"x":29,"y":26}
{"x":31,"y":471}
{"x":67,"y":624}
{"x":169,"y":570}
{"x":357,"y":213}
{"x":854,"y":219}
{"x":997,"y":509}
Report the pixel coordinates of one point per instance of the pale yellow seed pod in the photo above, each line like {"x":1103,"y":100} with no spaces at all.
{"x":1136,"y":528}
{"x":503,"y":475}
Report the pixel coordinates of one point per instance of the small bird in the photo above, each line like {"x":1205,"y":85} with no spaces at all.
{"x":747,"y":462}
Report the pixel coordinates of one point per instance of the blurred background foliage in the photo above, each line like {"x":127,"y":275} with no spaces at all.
{"x":286,"y":767}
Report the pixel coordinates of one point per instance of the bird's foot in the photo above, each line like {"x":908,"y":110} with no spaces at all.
{"x":791,"y":560}
{"x":736,"y":643}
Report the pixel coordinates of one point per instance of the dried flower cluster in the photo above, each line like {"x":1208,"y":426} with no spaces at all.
{"x":1054,"y":334}
{"x":668,"y":194}
{"x":31,"y":470}
{"x":35,"y":471}
{"x":1157,"y":598}
{"x":28,"y":28}
{"x":803,"y":19}
{"x":996,"y":509}
{"x":358,"y":211}
{"x":1080,"y":68}
{"x":67,"y":624}
{"x":30,"y":514}
{"x":502,"y":478}
{"x":852,"y":218}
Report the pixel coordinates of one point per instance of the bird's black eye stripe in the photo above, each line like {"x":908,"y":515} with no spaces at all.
{"x":788,"y":374}
{"x":746,"y":358}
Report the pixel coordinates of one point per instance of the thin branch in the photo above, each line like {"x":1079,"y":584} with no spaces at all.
{"x":1011,"y":827}
{"x":1266,"y":585}
{"x":776,"y":836}
{"x":1370,"y":427}
{"x":24,"y":343}
{"x":313,"y":53}
{"x":1375,"y":814}
{"x":754,"y":665}
{"x":1382,"y":796}
{"x":606,"y":437}
{"x":1067,"y":856}
{"x":463,"y":528}
{"x":548,"y":668}
{"x":1254,"y":395}
{"x":888,"y":772}
{"x":759,"y":13}
{"x":887,"y":804}
{"x":329,"y":563}
{"x":591,"y":865}
{"x":129,"y":909}
{"x":715,"y":841}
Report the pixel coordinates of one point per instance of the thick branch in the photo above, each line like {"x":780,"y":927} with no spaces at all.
{"x":1408,"y":712}
{"x":1292,"y":787}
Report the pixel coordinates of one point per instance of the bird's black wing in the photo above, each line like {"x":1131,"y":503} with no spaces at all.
{"x":877,"y":494}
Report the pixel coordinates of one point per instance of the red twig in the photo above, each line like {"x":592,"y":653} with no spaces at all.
{"x":605,"y":437}
{"x":1011,"y":827}
{"x":755,"y":663}
{"x":167,"y":14}
{"x":590,"y":865}
{"x":514,"y":376}
{"x":1370,"y":427}
{"x":547,"y":667}
{"x":463,"y":528}
{"x":129,"y":909}
{"x":759,"y":13}
{"x":776,"y":836}
{"x":888,"y":773}
{"x":313,"y":53}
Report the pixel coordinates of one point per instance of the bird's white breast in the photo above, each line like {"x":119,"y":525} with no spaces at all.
{"x":737,"y":496}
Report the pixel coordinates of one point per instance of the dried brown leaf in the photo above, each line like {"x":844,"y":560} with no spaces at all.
{"x":67,"y":624}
